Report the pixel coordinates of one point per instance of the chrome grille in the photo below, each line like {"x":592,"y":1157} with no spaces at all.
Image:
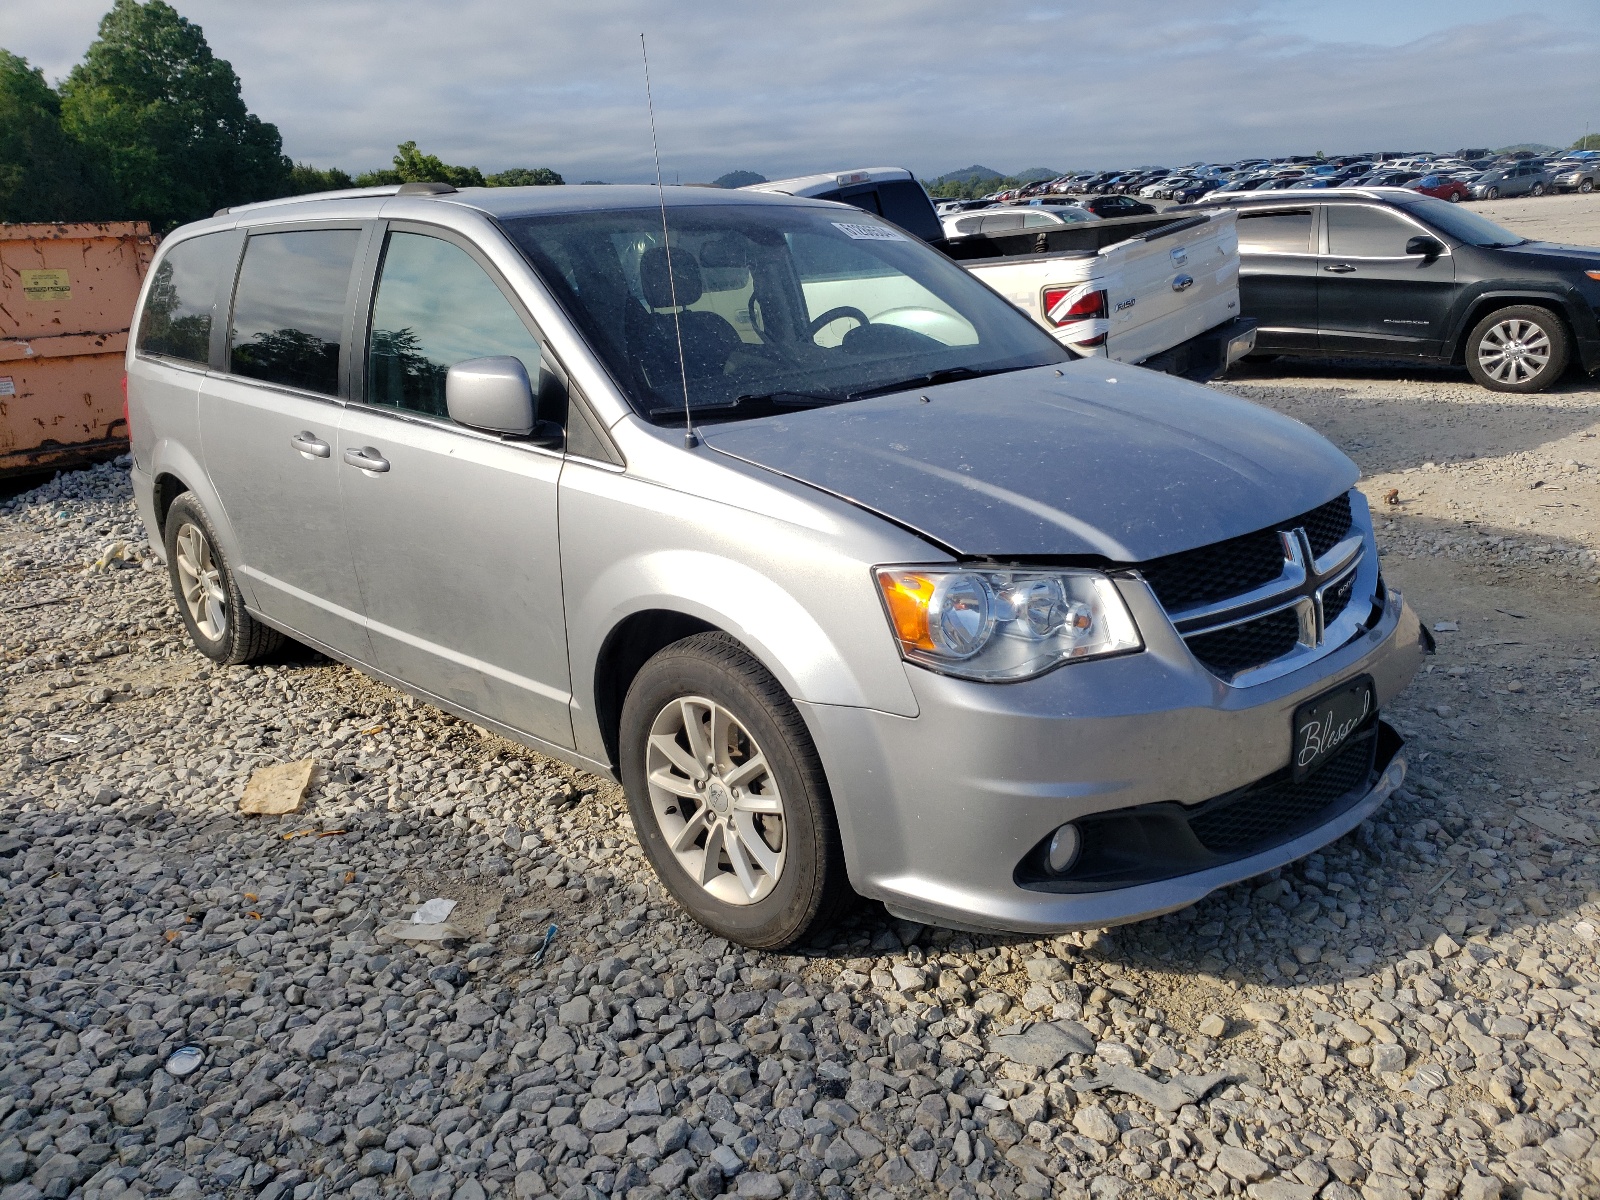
{"x":1258,"y":599}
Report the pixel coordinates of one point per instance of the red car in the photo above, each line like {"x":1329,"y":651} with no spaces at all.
{"x":1441,"y":186}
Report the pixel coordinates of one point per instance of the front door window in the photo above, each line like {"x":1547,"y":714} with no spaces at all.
{"x":436,"y":307}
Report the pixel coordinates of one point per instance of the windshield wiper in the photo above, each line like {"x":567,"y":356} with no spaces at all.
{"x":758,"y":405}
{"x":931,"y":379}
{"x":1502,"y":245}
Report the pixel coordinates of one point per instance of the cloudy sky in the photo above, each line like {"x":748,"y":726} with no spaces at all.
{"x":786,"y":88}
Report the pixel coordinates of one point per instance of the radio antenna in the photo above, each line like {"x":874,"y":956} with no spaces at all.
{"x":690,"y":440}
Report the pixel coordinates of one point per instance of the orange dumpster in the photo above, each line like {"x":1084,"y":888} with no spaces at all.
{"x":66,"y":298}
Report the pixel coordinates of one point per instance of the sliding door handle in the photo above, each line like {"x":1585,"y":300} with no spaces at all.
{"x":309,"y":443}
{"x":366,"y":458}
{"x":1339,"y":268}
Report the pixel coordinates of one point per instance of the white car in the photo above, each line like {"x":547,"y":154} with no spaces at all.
{"x":993,"y":222}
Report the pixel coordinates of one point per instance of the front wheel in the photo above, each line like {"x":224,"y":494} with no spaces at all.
{"x":728,"y":795}
{"x":1522,"y":348}
{"x":207,"y":594}
{"x":1454,"y":197}
{"x":1492,"y":194}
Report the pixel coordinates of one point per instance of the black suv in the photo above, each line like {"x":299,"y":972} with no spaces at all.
{"x":1390,"y":273}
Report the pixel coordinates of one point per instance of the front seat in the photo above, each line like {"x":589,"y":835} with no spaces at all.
{"x":708,"y":340}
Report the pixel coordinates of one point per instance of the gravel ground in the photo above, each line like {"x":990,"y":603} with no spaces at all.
{"x":1410,"y":1013}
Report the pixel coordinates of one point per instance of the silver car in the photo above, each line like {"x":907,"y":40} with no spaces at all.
{"x":1531,"y":178}
{"x":853,"y":577}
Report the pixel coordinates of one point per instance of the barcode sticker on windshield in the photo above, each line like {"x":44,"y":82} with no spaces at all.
{"x":868,"y":233}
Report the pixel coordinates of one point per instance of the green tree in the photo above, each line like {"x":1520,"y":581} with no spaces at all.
{"x":525,"y":177}
{"x":1589,"y":141}
{"x":43,"y":174}
{"x":304,"y":178}
{"x":413,"y":166}
{"x":166,"y":118}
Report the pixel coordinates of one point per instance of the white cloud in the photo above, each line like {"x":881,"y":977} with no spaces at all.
{"x":785,"y":88}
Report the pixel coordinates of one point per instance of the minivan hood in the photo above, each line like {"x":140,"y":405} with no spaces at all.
{"x":1097,"y":460}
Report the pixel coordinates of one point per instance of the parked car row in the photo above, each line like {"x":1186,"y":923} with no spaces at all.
{"x":1465,"y":175}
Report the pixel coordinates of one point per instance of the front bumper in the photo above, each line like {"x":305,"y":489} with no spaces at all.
{"x":1204,"y":357}
{"x":937,"y":811}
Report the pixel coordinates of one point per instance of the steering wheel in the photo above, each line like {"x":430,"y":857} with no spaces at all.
{"x":833,"y":314}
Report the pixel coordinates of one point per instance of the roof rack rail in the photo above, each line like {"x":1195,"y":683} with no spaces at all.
{"x":383,"y":189}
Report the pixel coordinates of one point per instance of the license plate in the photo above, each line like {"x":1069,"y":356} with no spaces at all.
{"x":1323,"y":725}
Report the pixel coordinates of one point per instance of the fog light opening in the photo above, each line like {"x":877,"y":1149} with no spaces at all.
{"x":1062,"y":850}
{"x":1394,"y":774}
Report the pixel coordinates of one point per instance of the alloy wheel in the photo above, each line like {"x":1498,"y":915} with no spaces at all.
{"x":1514,"y":351}
{"x":200,"y":579}
{"x":716,"y":800}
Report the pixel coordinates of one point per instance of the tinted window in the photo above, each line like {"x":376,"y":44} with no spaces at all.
{"x":289,"y":308}
{"x":176,"y":322}
{"x":1459,"y":223}
{"x":436,"y":307}
{"x":1360,"y":231}
{"x":1275,"y":232}
{"x":1002,"y":222}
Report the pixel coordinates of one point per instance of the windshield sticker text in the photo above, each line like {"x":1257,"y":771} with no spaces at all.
{"x":868,"y":233}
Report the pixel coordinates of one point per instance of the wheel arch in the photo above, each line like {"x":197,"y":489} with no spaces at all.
{"x":630,"y":644}
{"x":1481,"y":306}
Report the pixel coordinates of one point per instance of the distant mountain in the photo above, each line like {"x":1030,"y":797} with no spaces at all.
{"x":738,"y":179}
{"x":975,"y":173}
{"x":968,"y":175}
{"x":1534,"y":147}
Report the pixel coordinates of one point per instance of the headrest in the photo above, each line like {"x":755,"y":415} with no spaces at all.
{"x":657,"y":282}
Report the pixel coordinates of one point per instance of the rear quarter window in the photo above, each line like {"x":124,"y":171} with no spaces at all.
{"x":176,"y":321}
{"x":1275,"y":232}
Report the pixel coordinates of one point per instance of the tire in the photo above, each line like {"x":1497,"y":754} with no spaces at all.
{"x":1454,"y":197}
{"x":1492,"y":194}
{"x":793,"y":881}
{"x":1586,"y":186}
{"x":1538,"y":189}
{"x":205,"y":591}
{"x":1522,"y":348}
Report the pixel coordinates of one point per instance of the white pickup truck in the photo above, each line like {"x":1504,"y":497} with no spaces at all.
{"x":1161,"y":292}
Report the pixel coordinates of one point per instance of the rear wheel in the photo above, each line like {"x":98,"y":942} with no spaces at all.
{"x":1586,"y":186}
{"x":207,"y":594}
{"x":1538,"y":189}
{"x":728,"y":796}
{"x":1518,"y":349}
{"x":1454,"y":197}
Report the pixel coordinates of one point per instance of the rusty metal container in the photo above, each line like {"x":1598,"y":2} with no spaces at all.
{"x":66,"y":299}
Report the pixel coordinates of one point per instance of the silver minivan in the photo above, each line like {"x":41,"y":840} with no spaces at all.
{"x":854,"y":578}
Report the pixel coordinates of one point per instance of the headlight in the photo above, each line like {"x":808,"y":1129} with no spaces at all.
{"x":998,"y":626}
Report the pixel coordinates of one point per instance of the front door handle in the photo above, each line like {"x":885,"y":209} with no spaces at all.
{"x":366,"y":458}
{"x":309,"y":443}
{"x":1339,"y":268}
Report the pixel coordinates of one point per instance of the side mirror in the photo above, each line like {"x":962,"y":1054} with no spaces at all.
{"x":1428,"y":247}
{"x":496,"y":395}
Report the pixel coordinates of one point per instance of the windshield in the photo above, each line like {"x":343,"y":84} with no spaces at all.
{"x":1461,"y":224}
{"x":778,"y":303}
